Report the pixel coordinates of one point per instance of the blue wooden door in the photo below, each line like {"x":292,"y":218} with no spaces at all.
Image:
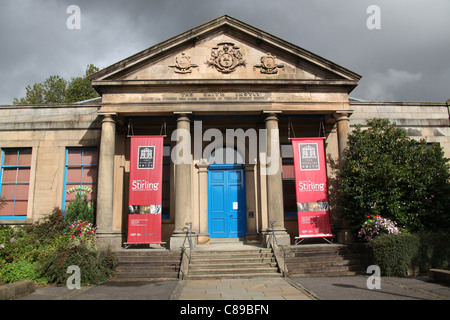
{"x":226,"y":202}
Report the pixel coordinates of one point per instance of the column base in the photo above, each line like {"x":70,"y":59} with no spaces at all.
{"x":178,"y":240}
{"x":282,"y":237}
{"x":111,"y":240}
{"x":203,"y":239}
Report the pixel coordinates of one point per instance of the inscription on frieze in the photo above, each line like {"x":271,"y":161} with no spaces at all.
{"x":220,"y":96}
{"x":204,"y":96}
{"x":224,"y":96}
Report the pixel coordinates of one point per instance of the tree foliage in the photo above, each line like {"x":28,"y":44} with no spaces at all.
{"x":57,"y":90}
{"x":386,"y":173}
{"x":80,"y":209}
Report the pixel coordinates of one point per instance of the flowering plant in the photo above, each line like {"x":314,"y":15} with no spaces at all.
{"x":83,"y":232}
{"x":377,"y":225}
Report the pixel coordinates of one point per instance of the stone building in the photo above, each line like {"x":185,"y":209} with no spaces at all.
{"x":223,"y":78}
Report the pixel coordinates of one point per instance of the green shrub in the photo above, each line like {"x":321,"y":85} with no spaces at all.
{"x":21,"y":246}
{"x":434,"y":251}
{"x":47,"y":227}
{"x":94,"y":267}
{"x":20,"y":270}
{"x":42,"y":252}
{"x":394,"y":254}
{"x":6,"y":233}
{"x":79,"y":209}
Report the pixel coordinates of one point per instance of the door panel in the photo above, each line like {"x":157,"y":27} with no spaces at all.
{"x":226,"y":203}
{"x":217,"y":209}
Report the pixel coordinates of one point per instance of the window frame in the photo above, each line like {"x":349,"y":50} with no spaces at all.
{"x":66,"y":166}
{"x":17,"y":166}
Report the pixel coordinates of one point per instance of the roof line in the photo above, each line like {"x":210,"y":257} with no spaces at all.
{"x":217,"y":23}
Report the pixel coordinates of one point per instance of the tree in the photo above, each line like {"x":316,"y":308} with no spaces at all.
{"x":80,"y":88}
{"x":80,"y":209}
{"x":386,"y":173}
{"x":57,"y":90}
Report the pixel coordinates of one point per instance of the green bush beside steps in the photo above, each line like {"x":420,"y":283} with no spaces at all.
{"x":406,"y":254}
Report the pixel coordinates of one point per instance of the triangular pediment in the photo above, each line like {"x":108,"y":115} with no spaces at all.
{"x":225,"y":48}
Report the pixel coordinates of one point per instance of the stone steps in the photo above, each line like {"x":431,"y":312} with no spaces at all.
{"x":236,"y":264}
{"x":145,"y":265}
{"x":322,"y":260}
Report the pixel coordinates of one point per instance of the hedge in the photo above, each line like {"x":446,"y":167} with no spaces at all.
{"x":397,"y":254}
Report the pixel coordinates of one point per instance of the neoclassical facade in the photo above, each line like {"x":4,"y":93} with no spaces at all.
{"x":222,"y":90}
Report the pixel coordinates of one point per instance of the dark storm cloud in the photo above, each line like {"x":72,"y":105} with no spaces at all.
{"x":407,"y":59}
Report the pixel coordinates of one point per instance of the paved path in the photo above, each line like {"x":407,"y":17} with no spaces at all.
{"x":113,"y":290}
{"x":391,"y":288}
{"x":326,"y":288}
{"x":241,"y":289}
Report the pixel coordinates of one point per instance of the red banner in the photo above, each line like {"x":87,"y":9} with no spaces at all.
{"x":311,"y":188}
{"x":145,"y":195}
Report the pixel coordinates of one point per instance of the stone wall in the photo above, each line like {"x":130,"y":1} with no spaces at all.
{"x":429,"y":120}
{"x":48,"y":130}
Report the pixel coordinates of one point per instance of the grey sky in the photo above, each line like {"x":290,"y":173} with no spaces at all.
{"x":408,"y":59}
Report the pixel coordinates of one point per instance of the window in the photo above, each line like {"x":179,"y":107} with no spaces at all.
{"x":15,"y":183}
{"x":289,"y":196}
{"x":80,"y":174}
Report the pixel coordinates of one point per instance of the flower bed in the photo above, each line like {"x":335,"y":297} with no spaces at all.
{"x":375,"y":226}
{"x":83,"y":232}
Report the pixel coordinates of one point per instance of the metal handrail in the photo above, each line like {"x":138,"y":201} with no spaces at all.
{"x":183,"y":247}
{"x":275,"y":242}
{"x":190,"y":239}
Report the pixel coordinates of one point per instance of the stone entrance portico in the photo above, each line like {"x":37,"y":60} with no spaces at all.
{"x":228,"y":75}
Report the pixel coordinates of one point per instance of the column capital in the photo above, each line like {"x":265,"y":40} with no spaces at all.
{"x":342,"y":115}
{"x":271,"y":115}
{"x":105,"y":114}
{"x":202,"y":166}
{"x":108,"y":116}
{"x":183,"y":116}
{"x":272,"y":111}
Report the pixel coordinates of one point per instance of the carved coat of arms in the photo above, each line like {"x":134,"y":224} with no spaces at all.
{"x":269,"y":64}
{"x":183,"y":63}
{"x":226,"y":57}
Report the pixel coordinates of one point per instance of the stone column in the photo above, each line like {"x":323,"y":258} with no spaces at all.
{"x":275,"y":207}
{"x":341,"y":227}
{"x":182,"y":158}
{"x":250,"y":197}
{"x":342,"y":122}
{"x":203,"y":236}
{"x":108,"y":237}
